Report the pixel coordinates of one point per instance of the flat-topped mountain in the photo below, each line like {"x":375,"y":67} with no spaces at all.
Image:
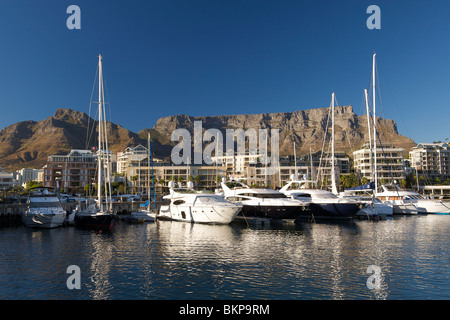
{"x":306,"y":128}
{"x":27,"y":144}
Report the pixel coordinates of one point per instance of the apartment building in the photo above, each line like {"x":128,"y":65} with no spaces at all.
{"x":431,"y":159}
{"x":6,"y":179}
{"x":390,"y":162}
{"x":25,"y":175}
{"x":72,"y":171}
{"x":131,"y":157}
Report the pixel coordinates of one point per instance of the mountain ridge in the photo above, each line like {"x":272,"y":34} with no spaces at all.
{"x":27,"y":144}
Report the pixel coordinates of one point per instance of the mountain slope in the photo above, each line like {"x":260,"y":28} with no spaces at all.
{"x":27,"y":144}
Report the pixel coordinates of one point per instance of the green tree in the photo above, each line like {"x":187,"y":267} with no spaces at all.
{"x":197,"y":180}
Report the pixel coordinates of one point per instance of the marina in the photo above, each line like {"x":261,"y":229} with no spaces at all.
{"x":208,"y":161}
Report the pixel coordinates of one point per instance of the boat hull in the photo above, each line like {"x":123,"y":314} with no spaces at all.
{"x":432,"y":207}
{"x":273,"y":212}
{"x":43,"y":220}
{"x":333,"y":210}
{"x":401,"y":208}
{"x":379,"y":209}
{"x":104,"y":221}
{"x":207,"y":215}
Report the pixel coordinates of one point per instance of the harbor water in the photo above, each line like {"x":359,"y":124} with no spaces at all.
{"x":180,"y":261}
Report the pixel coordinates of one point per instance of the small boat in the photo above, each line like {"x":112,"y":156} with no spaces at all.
{"x":263,"y":203}
{"x":193,"y":206}
{"x":145,"y":214}
{"x":44,"y":210}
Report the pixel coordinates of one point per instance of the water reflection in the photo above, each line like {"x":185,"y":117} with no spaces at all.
{"x":174,"y":260}
{"x":100,"y":267}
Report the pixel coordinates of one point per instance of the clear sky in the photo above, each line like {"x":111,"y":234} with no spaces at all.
{"x":219,"y":57}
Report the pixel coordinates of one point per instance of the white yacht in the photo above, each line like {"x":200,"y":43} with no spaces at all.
{"x":399,"y":198}
{"x":411,"y":202}
{"x":44,"y":210}
{"x":193,"y":206}
{"x":263,"y":203}
{"x":323,"y":203}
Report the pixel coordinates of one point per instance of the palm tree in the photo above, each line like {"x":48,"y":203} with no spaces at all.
{"x":197,"y":180}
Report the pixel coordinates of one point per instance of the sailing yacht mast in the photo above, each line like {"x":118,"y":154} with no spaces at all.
{"x":368,"y":129}
{"x":100,"y":129}
{"x":333,"y":170}
{"x":295,"y":163}
{"x":375,"y":175}
{"x":153,"y":174}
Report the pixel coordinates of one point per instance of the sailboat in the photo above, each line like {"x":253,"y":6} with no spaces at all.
{"x":147,"y":214}
{"x":399,"y":206}
{"x":99,"y":215}
{"x":373,"y":206}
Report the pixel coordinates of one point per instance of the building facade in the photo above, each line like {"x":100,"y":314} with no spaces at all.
{"x":71,"y":172}
{"x":25,"y":175}
{"x":6,"y":179}
{"x":390,"y":163}
{"x":431,"y":160}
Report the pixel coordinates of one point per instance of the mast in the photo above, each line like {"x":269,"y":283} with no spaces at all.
{"x":153,"y":175}
{"x":333,"y":172}
{"x":100,"y":129}
{"x":370,"y":139}
{"x":148,"y":171}
{"x":311,"y":164}
{"x":375,"y":175}
{"x":295,"y":164}
{"x":368,"y":128}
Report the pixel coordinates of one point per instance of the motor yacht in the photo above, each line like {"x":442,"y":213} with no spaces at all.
{"x":44,"y":210}
{"x":193,"y":206}
{"x":263,"y":202}
{"x":410,"y":202}
{"x":323,"y":203}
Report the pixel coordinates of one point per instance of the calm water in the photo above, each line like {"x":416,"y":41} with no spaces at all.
{"x":174,"y":260}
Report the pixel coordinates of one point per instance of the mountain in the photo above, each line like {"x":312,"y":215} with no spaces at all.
{"x":27,"y":144}
{"x":305,"y":127}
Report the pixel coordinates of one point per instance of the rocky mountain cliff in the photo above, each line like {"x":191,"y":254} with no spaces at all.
{"x":27,"y":144}
{"x":306,"y":128}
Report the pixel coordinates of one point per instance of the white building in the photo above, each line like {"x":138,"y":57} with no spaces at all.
{"x":431,"y":159}
{"x":390,"y":163}
{"x":24,"y":175}
{"x":131,"y":157}
{"x":6,"y":179}
{"x":236,"y":165}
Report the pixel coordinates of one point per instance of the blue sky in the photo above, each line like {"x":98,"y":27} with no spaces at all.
{"x":217,"y":57}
